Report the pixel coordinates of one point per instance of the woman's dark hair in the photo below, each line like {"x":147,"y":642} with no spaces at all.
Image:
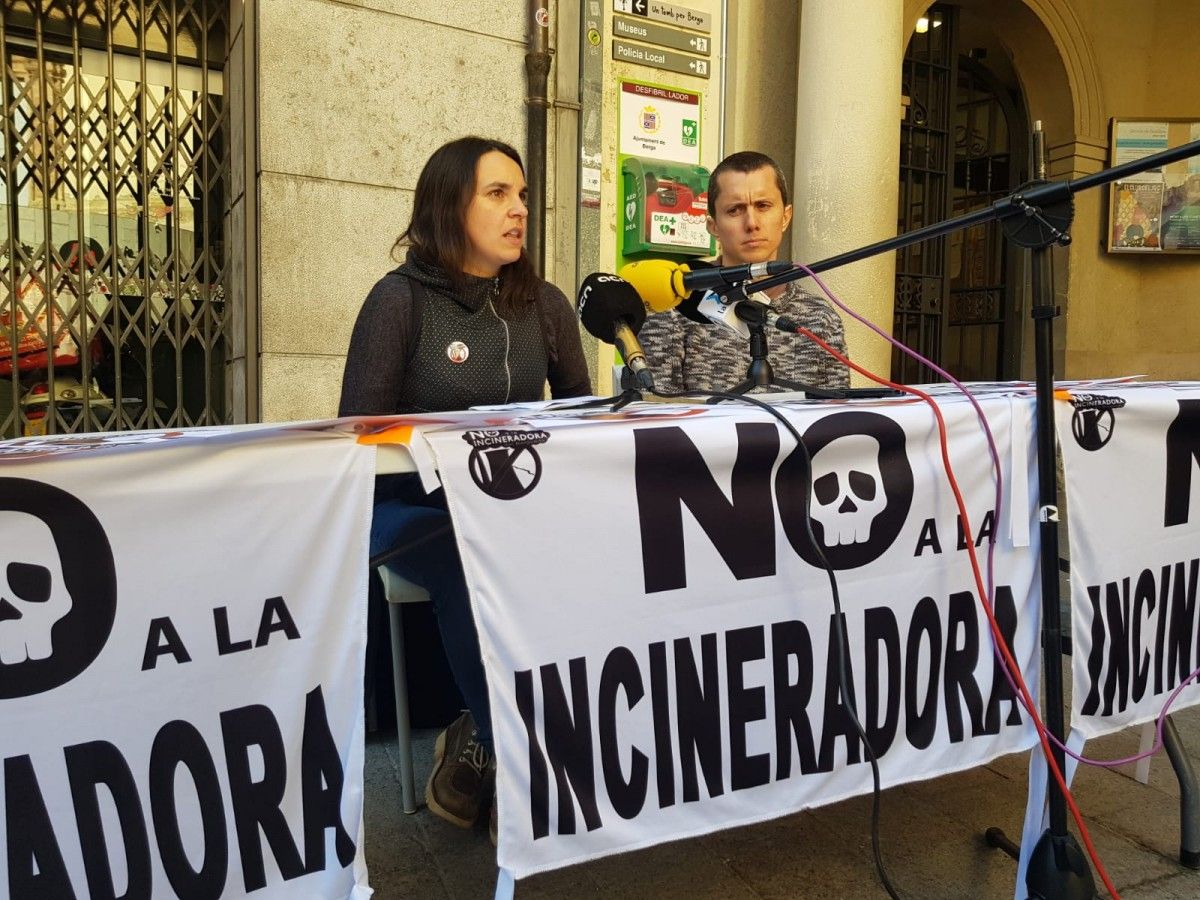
{"x":437,"y":234}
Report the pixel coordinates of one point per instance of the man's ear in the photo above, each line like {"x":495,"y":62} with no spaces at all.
{"x":711,"y":224}
{"x":787,"y":216}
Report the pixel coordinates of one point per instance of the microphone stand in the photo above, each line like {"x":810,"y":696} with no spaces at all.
{"x":631,"y":392}
{"x":1036,"y":216}
{"x":614,"y":403}
{"x":760,"y":374}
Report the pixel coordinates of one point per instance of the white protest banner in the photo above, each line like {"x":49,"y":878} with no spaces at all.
{"x":1131,"y":458}
{"x":658,"y":635}
{"x":182,"y":631}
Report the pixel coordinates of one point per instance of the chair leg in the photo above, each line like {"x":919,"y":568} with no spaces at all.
{"x":1189,"y":801}
{"x":408,"y":792}
{"x":1142,"y":770}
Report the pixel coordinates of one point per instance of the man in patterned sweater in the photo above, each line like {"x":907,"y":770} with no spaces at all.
{"x":748,"y":211}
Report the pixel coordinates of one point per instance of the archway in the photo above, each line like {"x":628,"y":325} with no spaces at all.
{"x":960,"y":300}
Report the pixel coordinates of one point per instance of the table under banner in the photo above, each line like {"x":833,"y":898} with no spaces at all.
{"x":183,"y":620}
{"x":1131,"y":457}
{"x":182,"y":628}
{"x":657,"y":629}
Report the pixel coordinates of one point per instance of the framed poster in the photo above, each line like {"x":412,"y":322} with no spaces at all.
{"x":1157,"y":211}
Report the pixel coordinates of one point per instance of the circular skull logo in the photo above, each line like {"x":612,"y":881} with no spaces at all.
{"x":58,"y":587}
{"x":862,"y":487}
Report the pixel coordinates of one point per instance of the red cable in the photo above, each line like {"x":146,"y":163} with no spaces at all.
{"x":998,"y":637}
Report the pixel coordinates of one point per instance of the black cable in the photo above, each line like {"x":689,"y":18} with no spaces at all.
{"x":843,"y":675}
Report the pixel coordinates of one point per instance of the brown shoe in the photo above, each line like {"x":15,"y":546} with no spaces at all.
{"x":457,"y":785}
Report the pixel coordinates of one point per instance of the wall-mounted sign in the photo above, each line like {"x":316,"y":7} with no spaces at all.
{"x":640,"y":30}
{"x":659,"y":123}
{"x":679,"y":15}
{"x":683,"y":16}
{"x":641,"y":55}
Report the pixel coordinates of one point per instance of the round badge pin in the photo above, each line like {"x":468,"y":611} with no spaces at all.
{"x":458,"y":352}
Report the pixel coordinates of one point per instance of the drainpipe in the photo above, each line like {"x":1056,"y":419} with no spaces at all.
{"x":537,"y":74}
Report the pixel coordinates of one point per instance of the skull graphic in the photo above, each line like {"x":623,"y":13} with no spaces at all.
{"x":33,"y":593}
{"x":848,"y":489}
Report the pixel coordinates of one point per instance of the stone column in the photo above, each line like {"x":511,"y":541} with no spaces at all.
{"x":847,"y":155}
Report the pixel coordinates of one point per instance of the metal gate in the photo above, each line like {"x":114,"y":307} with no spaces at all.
{"x":962,"y":146}
{"x":982,"y":324}
{"x":926,"y":150}
{"x":114,"y":191}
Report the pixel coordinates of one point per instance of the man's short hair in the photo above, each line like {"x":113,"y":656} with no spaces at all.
{"x":744,"y":161}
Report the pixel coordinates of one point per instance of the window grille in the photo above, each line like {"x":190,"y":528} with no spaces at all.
{"x":114,"y":186}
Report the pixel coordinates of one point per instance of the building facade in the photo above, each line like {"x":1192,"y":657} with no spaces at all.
{"x":198,"y":195}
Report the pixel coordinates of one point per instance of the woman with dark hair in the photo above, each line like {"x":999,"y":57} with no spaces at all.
{"x":464,"y":321}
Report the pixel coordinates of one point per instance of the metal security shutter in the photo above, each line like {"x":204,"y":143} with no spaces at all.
{"x":115,"y":196}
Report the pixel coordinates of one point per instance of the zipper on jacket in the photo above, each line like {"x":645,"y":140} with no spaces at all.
{"x":507,"y":339}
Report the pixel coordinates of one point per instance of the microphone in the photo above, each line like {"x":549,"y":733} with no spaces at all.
{"x":659,"y":282}
{"x":611,"y":310}
{"x":760,"y":314}
{"x":738,"y":315}
{"x":663,"y":284}
{"x":718,"y":310}
{"x":728,"y":276}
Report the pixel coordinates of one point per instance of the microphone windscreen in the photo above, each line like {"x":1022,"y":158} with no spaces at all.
{"x":689,"y":305}
{"x":655,"y":282}
{"x":605,"y":299}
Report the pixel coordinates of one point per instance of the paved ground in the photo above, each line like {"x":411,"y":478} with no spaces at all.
{"x":932,"y":836}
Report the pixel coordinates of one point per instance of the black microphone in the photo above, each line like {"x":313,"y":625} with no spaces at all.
{"x":754,"y":313}
{"x":611,"y":310}
{"x":710,"y":308}
{"x":703,"y":279}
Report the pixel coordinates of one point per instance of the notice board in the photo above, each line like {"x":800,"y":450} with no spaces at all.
{"x":1157,"y":211}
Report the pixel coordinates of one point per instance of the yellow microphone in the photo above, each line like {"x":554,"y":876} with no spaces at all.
{"x":659,"y":282}
{"x":664,"y":285}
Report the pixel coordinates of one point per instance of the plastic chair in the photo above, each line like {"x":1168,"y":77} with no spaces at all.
{"x":399,"y":590}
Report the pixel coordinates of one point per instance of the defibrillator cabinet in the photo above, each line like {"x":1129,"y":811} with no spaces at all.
{"x":664,"y":208}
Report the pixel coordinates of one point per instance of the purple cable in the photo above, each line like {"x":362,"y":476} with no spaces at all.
{"x":989,"y":587}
